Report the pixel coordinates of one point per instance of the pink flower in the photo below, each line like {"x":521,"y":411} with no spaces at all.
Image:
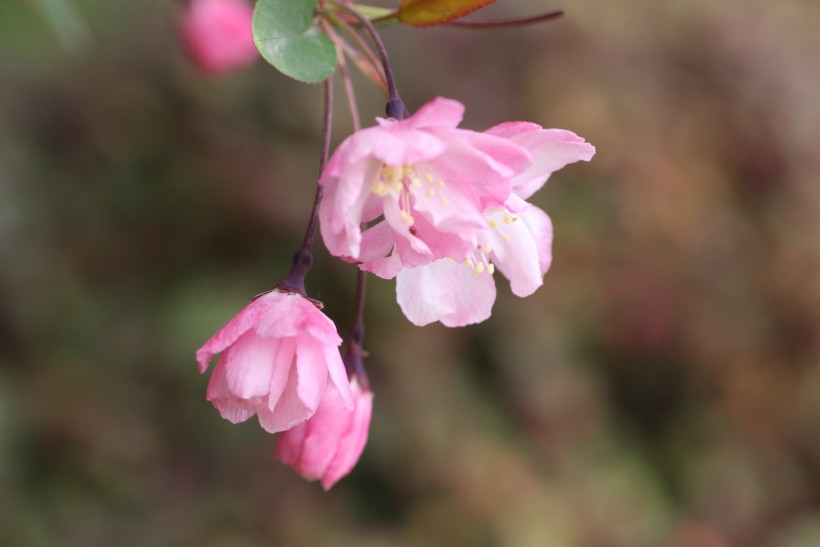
{"x":218,"y":34}
{"x":518,"y":240}
{"x":429,"y":180}
{"x":328,"y":445}
{"x":275,"y":359}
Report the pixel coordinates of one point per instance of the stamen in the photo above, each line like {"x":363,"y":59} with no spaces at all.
{"x":379,"y":188}
{"x":491,"y":268}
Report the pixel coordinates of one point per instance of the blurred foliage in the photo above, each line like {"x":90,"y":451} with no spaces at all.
{"x":661,"y":389}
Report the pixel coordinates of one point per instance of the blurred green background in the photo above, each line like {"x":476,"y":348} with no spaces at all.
{"x":661,"y":389}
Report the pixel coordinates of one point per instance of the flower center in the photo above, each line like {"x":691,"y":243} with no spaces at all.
{"x":400,"y":181}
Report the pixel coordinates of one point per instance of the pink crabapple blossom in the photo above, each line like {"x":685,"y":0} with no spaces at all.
{"x":275,"y":358}
{"x":329,"y":444}
{"x":423,"y":180}
{"x":218,"y":34}
{"x":518,"y":240}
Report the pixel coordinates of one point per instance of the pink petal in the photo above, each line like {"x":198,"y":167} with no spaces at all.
{"x":236,"y":327}
{"x":352,"y":444}
{"x":386,"y":268}
{"x":338,"y":375}
{"x":324,"y":430}
{"x":249,"y":365}
{"x":540,"y":226}
{"x":439,"y":112}
{"x":508,"y":130}
{"x":289,"y":444}
{"x":230,"y":408}
{"x":293,"y":316}
{"x":281,"y":371}
{"x":289,"y":409}
{"x":377,"y":242}
{"x":312,"y":371}
{"x":552,"y":149}
{"x":445,"y":291}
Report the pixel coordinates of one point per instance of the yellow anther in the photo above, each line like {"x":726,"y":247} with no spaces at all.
{"x":445,"y":201}
{"x":507,"y":220}
{"x":466,"y":262}
{"x":407,"y":169}
{"x":415,"y":182}
{"x":506,"y":238}
{"x":488,"y":249}
{"x":514,"y":219}
{"x":379,"y":188}
{"x":431,"y":192}
{"x":440,"y":183}
{"x":478,"y":269}
{"x":407,"y":218}
{"x":491,"y":269}
{"x":493,"y":224}
{"x":429,"y":176}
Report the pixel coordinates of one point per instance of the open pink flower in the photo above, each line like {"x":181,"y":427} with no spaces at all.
{"x":275,"y":359}
{"x":518,"y":240}
{"x":429,"y":180}
{"x":218,"y":34}
{"x":329,"y":444}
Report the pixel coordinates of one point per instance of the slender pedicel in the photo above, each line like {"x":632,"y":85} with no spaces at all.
{"x":303,"y":259}
{"x":395,"y":107}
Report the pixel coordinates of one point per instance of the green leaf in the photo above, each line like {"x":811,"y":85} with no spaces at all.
{"x":285,"y":35}
{"x":424,"y":13}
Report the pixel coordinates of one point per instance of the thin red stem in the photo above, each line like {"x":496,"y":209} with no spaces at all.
{"x":395,"y":106}
{"x":504,"y":23}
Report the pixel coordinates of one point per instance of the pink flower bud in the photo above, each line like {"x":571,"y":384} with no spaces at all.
{"x":218,"y":34}
{"x":328,"y":445}
{"x":276,"y":356}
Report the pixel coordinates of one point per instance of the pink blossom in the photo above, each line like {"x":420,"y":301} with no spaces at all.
{"x":329,"y":444}
{"x":218,"y":34}
{"x":275,"y":359}
{"x":517,"y":240}
{"x":429,"y":180}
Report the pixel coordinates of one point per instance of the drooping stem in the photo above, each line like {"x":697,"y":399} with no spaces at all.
{"x":353,"y":357}
{"x":502,"y":23}
{"x":303,"y":259}
{"x":395,"y":107}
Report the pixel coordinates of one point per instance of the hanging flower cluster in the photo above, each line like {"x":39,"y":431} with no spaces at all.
{"x":414,"y":197}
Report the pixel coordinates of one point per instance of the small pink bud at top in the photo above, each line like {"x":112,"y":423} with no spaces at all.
{"x":218,"y":34}
{"x":329,"y":444}
{"x":275,"y":359}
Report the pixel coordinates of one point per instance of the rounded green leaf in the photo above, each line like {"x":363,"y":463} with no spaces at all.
{"x":285,"y":35}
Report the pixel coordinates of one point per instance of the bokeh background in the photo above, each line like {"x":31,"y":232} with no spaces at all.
{"x":661,"y":389}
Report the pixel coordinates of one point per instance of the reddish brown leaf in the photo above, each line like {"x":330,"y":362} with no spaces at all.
{"x":424,"y":13}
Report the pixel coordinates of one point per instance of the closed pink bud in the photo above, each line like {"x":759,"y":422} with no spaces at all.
{"x":218,"y":34}
{"x":329,"y":444}
{"x":275,"y":359}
